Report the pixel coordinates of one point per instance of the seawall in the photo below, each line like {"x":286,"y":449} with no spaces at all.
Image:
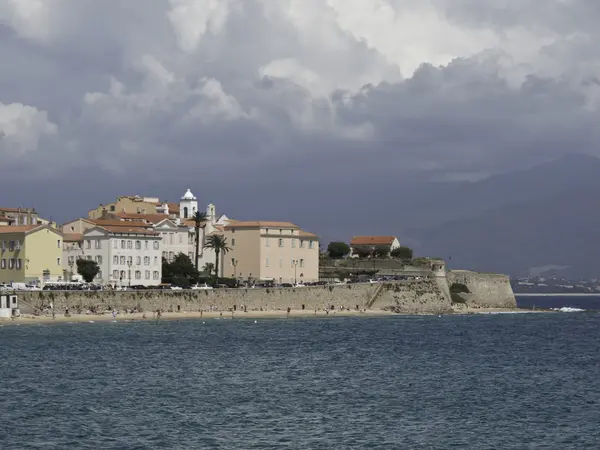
{"x":427,"y":295}
{"x":486,"y":290}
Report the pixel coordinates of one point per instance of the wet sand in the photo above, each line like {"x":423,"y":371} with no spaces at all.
{"x":107,"y":317}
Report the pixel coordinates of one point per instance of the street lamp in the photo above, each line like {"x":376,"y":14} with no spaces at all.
{"x":129,"y":262}
{"x":234,"y":263}
{"x":295,"y":267}
{"x":70,"y":270}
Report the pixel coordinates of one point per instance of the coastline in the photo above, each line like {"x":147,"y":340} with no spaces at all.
{"x":28,"y":319}
{"x":562,"y":294}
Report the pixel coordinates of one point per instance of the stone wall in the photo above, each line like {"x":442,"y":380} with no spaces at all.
{"x":428,"y":295}
{"x":487,"y":290}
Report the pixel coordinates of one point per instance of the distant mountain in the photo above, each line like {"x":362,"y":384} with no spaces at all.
{"x":516,"y":222}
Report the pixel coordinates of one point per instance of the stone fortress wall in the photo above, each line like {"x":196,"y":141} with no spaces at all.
{"x":426,"y":295}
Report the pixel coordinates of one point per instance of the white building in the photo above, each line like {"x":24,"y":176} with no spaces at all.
{"x":176,"y":239}
{"x":126,"y":256}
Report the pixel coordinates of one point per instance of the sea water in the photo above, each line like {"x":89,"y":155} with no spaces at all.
{"x":519,"y":381}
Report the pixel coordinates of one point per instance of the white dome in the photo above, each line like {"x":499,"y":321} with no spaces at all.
{"x":188,"y":196}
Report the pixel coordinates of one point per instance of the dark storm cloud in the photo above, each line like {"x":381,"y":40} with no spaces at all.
{"x":293,"y":103}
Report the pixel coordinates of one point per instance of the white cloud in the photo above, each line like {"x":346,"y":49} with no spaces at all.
{"x":21,"y":129}
{"x":418,"y":83}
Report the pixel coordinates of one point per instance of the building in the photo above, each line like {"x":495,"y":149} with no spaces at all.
{"x":19,"y":216}
{"x":126,"y":255}
{"x":270,"y":251}
{"x":176,"y":239}
{"x":30,"y":254}
{"x":127,"y":204}
{"x":370,"y":244}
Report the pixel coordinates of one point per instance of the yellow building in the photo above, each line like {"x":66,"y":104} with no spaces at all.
{"x":30,"y":253}
{"x":270,"y":251}
{"x":129,"y":205}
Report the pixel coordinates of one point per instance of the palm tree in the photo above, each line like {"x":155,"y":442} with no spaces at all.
{"x":219,"y":244}
{"x":200,"y":218}
{"x":208,"y":268}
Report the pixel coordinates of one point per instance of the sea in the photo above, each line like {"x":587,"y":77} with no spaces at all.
{"x":497,"y":381}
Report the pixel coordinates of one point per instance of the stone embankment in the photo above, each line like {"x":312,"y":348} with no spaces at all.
{"x":427,"y":295}
{"x":486,"y":290}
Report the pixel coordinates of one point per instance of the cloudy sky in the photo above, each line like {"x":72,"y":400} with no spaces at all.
{"x":306,"y":110}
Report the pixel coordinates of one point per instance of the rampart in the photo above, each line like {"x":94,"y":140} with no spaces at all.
{"x":426,"y":295}
{"x":486,"y":290}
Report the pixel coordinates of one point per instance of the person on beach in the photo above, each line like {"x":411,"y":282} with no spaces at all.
{"x":114,"y":313}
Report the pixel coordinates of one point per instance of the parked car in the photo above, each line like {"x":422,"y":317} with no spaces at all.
{"x":201,"y":286}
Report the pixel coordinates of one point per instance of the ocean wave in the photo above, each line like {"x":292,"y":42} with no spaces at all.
{"x":568,"y":309}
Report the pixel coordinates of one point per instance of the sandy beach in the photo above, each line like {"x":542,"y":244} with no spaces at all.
{"x":274,"y":314}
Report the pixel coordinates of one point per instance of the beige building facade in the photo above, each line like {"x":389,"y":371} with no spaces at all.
{"x":30,"y":254}
{"x":127,"y":204}
{"x":19,"y":216}
{"x":270,"y":251}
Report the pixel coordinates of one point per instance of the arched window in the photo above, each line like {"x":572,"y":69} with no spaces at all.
{"x":185,"y":212}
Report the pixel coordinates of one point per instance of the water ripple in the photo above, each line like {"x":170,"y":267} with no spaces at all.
{"x":518,"y":381}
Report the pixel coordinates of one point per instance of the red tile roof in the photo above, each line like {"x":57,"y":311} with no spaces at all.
{"x":129,"y":230}
{"x":303,"y":233}
{"x":259,"y":224}
{"x":23,"y":210}
{"x":72,"y":237}
{"x":372,"y":240}
{"x":18,"y":228}
{"x":120,"y":223}
{"x":152,"y":218}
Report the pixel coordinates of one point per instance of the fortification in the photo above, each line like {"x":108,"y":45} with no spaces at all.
{"x":486,"y":290}
{"x":428,"y":294}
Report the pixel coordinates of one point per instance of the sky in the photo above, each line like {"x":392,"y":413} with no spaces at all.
{"x":314,"y":111}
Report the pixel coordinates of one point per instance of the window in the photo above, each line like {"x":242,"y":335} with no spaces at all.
{"x":156,"y":275}
{"x":129,"y":260}
{"x":116,"y":244}
{"x":58,"y":261}
{"x":3,"y":264}
{"x":301,"y":243}
{"x":19,"y":263}
{"x":294,"y":263}
{"x":280,"y":242}
{"x":311,"y":244}
{"x":11,"y":246}
{"x":146,"y":260}
{"x":58,"y":242}
{"x":191,"y":255}
{"x":98,"y":275}
{"x":301,"y":263}
{"x":115,"y":260}
{"x":138,"y":245}
{"x":280,"y":262}
{"x":171,"y":257}
{"x":156,"y":260}
{"x":156,"y":245}
{"x":293,"y":243}
{"x":122,"y":260}
{"x":138,"y":261}
{"x":267,"y":262}
{"x":145,"y":245}
{"x":266,"y":242}
{"x":99,"y":259}
{"x":138,"y":274}
{"x":88,"y":257}
{"x":122,"y":243}
{"x":147,"y":274}
{"x":233,"y":242}
{"x":89,"y":244}
{"x":115,"y":274}
{"x":129,"y":244}
{"x":11,"y":263}
{"x":97,"y":242}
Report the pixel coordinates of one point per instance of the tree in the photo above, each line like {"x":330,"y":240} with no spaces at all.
{"x":219,"y":244}
{"x":381,"y":252}
{"x":402,"y":253}
{"x":337,"y":250}
{"x":200,"y":219}
{"x":181,"y":272}
{"x":208,"y":268}
{"x":87,"y":269}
